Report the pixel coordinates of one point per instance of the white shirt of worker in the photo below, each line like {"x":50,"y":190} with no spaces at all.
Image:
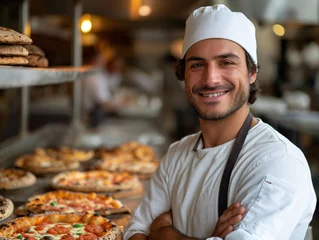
{"x":271,"y":179}
{"x":96,"y":90}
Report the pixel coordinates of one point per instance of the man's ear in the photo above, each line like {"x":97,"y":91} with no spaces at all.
{"x":252,"y":77}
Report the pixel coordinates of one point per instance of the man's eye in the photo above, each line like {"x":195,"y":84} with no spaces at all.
{"x":226,"y":63}
{"x":197,"y":65}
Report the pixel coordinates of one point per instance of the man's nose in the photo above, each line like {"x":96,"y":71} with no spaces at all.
{"x":212,"y":74}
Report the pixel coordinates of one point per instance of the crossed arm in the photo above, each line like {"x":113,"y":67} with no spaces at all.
{"x":162,"y":226}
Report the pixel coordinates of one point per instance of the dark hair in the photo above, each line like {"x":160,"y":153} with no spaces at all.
{"x":251,"y":67}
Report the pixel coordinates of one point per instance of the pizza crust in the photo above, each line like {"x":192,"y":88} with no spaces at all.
{"x":6,"y":208}
{"x":15,"y":179}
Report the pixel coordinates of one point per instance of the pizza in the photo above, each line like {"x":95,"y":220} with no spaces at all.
{"x":130,"y":157}
{"x":68,"y":154}
{"x":39,"y":162}
{"x":144,"y":169}
{"x":95,"y":181}
{"x":128,"y":151}
{"x":72,"y":202}
{"x":59,"y":226}
{"x":6,"y":208}
{"x":11,"y":178}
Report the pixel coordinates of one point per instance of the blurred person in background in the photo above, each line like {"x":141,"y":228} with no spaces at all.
{"x":98,"y":88}
{"x":238,"y":178}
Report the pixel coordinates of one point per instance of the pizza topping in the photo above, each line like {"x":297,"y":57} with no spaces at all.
{"x":58,"y":229}
{"x":68,"y":237}
{"x":77,"y":225}
{"x":95,"y":229}
{"x":88,"y":236}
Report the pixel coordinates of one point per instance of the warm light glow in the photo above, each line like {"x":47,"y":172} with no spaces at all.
{"x":86,"y":26}
{"x":278,"y":30}
{"x":144,"y":11}
{"x":134,"y":7}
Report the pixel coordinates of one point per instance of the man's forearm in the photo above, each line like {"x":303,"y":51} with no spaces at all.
{"x":169,"y":232}
{"x":139,"y":236}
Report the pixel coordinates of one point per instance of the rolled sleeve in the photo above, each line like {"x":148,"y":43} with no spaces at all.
{"x":155,"y":202}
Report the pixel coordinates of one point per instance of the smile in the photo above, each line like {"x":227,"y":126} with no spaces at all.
{"x":210,"y":95}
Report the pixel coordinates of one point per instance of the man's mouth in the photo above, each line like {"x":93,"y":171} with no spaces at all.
{"x":210,"y":95}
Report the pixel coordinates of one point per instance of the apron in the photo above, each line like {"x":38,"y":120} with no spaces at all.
{"x":239,"y":142}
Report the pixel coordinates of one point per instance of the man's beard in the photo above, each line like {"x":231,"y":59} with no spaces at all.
{"x":239,"y":100}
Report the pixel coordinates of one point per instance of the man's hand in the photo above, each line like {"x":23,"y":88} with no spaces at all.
{"x":162,"y":221}
{"x":232,"y":215}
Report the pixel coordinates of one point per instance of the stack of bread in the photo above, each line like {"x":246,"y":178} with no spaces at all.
{"x":36,"y":56}
{"x":16,"y":49}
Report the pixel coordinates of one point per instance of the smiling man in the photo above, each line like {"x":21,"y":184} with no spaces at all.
{"x":238,"y":178}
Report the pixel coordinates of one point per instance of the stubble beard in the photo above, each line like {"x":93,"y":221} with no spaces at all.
{"x":240,"y":99}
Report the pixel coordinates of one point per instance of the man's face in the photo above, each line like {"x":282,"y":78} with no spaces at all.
{"x":216,"y":78}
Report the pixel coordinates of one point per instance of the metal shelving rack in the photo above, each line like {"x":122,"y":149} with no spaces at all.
{"x":26,"y":77}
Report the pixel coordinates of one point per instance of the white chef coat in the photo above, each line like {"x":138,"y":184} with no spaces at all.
{"x":271,"y":179}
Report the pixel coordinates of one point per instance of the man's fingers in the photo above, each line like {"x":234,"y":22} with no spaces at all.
{"x":232,"y":207}
{"x":232,"y":213}
{"x":226,"y":231}
{"x":222,"y":227}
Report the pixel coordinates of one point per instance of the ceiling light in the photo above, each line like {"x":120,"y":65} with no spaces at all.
{"x":86,"y":23}
{"x":279,"y":30}
{"x":144,"y":11}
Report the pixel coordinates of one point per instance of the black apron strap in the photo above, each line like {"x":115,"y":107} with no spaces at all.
{"x":223,"y":190}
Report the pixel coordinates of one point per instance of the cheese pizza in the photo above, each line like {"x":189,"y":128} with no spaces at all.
{"x":95,"y":181}
{"x":72,"y":202}
{"x":58,"y":226}
{"x":11,"y":178}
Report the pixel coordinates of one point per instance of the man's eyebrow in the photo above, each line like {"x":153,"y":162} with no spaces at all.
{"x":226,"y":55}
{"x":222,"y":56}
{"x":194,"y":59}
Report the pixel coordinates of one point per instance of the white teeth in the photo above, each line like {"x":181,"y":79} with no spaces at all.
{"x":213,"y":94}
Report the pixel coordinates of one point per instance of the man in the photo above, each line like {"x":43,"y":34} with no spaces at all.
{"x":270,"y":177}
{"x":98,"y":89}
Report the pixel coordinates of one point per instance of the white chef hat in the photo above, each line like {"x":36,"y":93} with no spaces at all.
{"x":218,"y":21}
